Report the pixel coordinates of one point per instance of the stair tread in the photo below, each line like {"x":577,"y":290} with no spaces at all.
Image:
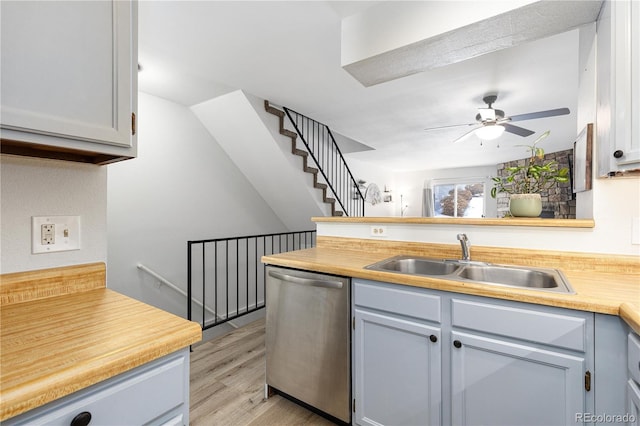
{"x":272,"y":110}
{"x":289,"y":133}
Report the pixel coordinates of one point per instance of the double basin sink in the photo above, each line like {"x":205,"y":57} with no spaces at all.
{"x":477,"y":272}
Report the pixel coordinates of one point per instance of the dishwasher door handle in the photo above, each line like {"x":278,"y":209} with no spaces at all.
{"x":305,"y":281}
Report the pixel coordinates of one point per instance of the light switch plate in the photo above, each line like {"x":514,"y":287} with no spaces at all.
{"x":54,"y":233}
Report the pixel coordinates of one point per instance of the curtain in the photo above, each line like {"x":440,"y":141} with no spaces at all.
{"x":427,"y":202}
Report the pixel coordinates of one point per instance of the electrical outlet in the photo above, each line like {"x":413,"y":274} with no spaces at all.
{"x":47,"y":234}
{"x":378,"y":231}
{"x":54,"y":233}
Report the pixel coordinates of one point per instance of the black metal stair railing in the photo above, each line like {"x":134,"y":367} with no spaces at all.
{"x":326,"y":154}
{"x":226,"y":277}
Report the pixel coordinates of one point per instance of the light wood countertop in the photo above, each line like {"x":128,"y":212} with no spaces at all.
{"x":631,"y":315}
{"x":599,"y":287}
{"x":56,"y":345}
{"x":485,"y":221}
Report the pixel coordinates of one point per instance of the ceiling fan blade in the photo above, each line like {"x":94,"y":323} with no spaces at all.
{"x":466,"y":134}
{"x":447,"y":127}
{"x":540,"y":114}
{"x":520,"y":131}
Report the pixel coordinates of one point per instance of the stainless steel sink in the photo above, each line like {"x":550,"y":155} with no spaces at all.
{"x":416,"y":266}
{"x":544,"y":279}
{"x":477,"y":272}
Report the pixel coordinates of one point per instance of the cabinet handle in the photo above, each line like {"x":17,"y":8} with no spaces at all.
{"x":433,"y":338}
{"x":457,"y":343}
{"x":618,"y":154}
{"x":587,"y":381}
{"x":82,"y":419}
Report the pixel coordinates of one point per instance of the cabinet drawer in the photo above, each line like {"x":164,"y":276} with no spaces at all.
{"x":564,"y":331}
{"x":408,"y":301}
{"x":634,"y":356}
{"x":151,"y":394}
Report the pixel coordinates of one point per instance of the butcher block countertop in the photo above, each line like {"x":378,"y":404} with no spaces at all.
{"x":608,"y":284}
{"x":62,"y":330}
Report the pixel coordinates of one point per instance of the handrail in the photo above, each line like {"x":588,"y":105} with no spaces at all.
{"x":177,"y":289}
{"x":161,"y":279}
{"x":319,"y":141}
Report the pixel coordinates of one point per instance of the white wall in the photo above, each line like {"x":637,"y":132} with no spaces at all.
{"x":608,"y":237}
{"x":40,"y":187}
{"x":408,"y":193}
{"x":586,"y":112}
{"x":249,"y":136}
{"x":182,"y":187}
{"x":361,"y":170}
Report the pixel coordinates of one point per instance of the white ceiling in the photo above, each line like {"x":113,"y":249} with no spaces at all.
{"x":289,"y":53}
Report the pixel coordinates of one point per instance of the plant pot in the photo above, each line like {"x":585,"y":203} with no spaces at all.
{"x":525,"y":205}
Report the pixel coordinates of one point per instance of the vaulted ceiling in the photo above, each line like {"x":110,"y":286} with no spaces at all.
{"x":289,"y":52}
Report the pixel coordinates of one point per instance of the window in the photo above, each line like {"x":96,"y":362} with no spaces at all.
{"x":459,"y":199}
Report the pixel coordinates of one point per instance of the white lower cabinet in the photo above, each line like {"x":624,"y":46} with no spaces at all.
{"x":519,"y":364}
{"x":426,"y":357}
{"x":156,"y":393}
{"x":397,"y":370}
{"x":495,"y":382}
{"x":397,"y":358}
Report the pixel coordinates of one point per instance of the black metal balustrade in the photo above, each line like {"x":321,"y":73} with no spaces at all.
{"x":324,"y":151}
{"x":226,"y":278}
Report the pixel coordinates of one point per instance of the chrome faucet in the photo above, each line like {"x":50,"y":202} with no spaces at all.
{"x":464,"y":243}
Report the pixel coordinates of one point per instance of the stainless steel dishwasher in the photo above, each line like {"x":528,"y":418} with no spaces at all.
{"x":308,"y":341}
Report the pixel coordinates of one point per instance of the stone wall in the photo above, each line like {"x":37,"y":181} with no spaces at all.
{"x":559,"y":201}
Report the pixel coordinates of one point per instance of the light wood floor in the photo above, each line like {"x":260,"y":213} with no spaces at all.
{"x":227,"y":384}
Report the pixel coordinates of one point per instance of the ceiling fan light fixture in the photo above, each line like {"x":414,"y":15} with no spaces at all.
{"x":490,"y":131}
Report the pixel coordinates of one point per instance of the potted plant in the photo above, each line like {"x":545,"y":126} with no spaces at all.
{"x":524,"y":183}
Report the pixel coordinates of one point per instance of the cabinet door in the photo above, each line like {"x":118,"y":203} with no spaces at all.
{"x":618,"y":87}
{"x":397,"y":371}
{"x":68,"y":72}
{"x":626,"y":27}
{"x":496,"y":382}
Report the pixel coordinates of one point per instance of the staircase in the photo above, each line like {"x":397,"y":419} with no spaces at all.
{"x":331,"y":174}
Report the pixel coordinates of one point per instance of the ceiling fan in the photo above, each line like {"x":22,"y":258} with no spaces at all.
{"x":491,"y":123}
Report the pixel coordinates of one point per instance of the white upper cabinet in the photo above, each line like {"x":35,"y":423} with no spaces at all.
{"x":618,"y":112}
{"x":69,"y":79}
